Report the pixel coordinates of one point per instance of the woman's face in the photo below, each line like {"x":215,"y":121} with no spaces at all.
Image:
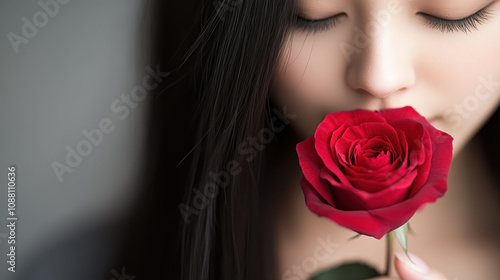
{"x":378,"y":54}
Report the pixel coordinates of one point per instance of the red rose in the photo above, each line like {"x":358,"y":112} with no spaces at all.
{"x":371,"y":171}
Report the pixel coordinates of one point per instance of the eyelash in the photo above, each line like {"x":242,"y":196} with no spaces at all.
{"x":443,"y":25}
{"x":316,"y":25}
{"x":465,"y":25}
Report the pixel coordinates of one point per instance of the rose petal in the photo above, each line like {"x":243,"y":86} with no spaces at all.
{"x":322,"y":139}
{"x":311,"y":165}
{"x":371,"y":171}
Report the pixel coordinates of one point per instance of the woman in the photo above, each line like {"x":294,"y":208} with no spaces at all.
{"x":254,"y":78}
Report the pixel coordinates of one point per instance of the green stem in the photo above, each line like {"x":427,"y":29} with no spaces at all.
{"x":388,"y":254}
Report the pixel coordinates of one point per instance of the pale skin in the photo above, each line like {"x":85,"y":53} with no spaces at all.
{"x":451,"y":78}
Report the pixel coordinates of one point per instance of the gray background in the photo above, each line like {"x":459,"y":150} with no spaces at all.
{"x":61,"y":82}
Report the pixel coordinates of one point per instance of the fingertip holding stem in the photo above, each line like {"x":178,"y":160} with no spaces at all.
{"x":413,"y":262}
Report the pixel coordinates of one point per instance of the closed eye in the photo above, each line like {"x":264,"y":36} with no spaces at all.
{"x":317,"y":25}
{"x":444,"y":25}
{"x":464,"y":25}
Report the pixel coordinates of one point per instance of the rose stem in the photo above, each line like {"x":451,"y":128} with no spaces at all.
{"x":388,"y":255}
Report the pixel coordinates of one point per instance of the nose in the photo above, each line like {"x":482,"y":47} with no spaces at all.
{"x":382,"y":66}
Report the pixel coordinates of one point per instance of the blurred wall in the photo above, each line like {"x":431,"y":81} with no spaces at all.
{"x":66,"y":70}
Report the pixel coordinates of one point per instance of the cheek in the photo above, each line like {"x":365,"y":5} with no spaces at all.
{"x":310,"y":80}
{"x":309,"y":69}
{"x":465,"y":71}
{"x":457,"y":78}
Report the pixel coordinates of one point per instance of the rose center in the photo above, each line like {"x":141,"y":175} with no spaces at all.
{"x":372,"y":158}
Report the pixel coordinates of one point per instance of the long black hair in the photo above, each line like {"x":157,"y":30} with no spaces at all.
{"x":201,"y":214}
{"x":205,"y":210}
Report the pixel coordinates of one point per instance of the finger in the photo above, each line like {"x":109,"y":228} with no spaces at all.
{"x":416,"y":270}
